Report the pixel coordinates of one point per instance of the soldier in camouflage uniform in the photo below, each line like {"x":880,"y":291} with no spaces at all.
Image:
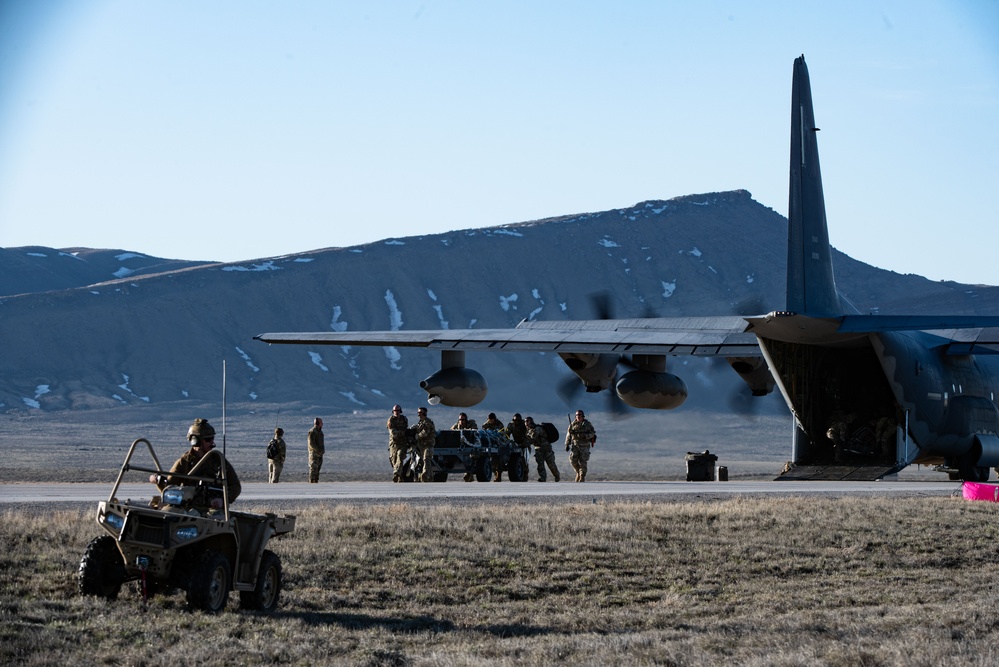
{"x":201,"y":437}
{"x":494,"y":424}
{"x":398,"y":446}
{"x":463,"y":423}
{"x":535,"y":436}
{"x":276,"y":465}
{"x":580,"y":438}
{"x":886,"y":429}
{"x":317,"y":450}
{"x":839,"y":433}
{"x":518,"y":430}
{"x":426,"y":437}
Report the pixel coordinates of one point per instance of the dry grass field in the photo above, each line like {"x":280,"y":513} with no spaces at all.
{"x":745,"y":581}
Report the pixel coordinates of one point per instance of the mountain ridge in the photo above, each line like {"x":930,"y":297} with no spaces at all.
{"x":160,"y":337}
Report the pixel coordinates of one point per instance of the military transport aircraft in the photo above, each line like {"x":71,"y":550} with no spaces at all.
{"x":870,"y":394}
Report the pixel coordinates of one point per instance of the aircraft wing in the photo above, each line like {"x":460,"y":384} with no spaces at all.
{"x":698,"y":336}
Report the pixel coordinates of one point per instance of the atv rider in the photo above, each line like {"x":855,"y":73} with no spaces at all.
{"x":201,"y":437}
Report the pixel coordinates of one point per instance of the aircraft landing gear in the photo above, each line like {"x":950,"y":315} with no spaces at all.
{"x":972,"y":473}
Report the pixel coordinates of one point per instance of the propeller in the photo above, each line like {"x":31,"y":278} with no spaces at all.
{"x":617,"y":407}
{"x":603,"y":308}
{"x":741,"y":402}
{"x":569,"y":388}
{"x":600,"y":302}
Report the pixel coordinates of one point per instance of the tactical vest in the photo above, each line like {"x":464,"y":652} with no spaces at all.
{"x":397,"y":425}
{"x":425,"y":430}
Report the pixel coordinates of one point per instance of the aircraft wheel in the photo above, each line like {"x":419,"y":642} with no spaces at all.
{"x":973,"y":473}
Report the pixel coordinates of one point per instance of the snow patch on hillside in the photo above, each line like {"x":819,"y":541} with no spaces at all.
{"x":266,"y":266}
{"x":124,"y":387}
{"x":317,"y":359}
{"x":508,"y":302}
{"x":40,"y":391}
{"x":395,"y":323}
{"x":246,"y":358}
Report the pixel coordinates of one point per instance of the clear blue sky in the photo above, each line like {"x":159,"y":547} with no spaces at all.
{"x":232,"y":130}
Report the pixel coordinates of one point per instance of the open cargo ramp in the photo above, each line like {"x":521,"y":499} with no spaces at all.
{"x":848,"y":472}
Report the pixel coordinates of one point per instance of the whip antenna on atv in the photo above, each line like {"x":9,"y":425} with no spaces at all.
{"x":223,"y":412}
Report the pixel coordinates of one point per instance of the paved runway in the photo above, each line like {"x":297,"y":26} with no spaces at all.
{"x":30,"y":492}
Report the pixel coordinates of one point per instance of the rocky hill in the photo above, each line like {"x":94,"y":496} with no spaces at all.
{"x":37,"y":269}
{"x":157,"y":333}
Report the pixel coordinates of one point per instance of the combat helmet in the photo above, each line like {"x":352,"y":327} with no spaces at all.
{"x":200,"y":429}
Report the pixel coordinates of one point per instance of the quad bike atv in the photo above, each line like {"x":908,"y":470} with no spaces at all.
{"x":175,"y":541}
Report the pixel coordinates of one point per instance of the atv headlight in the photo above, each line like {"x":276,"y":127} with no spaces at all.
{"x":114,"y":521}
{"x":173,"y":495}
{"x":186,"y":533}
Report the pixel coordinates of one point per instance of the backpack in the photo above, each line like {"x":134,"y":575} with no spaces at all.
{"x":551,"y":432}
{"x":272,"y":449}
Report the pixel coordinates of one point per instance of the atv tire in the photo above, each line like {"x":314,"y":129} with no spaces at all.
{"x":102,"y":570}
{"x":208,"y":588}
{"x":265,"y":594}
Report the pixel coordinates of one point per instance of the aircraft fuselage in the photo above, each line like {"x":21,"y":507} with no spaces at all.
{"x":856,"y":398}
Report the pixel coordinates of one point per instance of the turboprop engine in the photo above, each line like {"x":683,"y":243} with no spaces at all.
{"x":453,"y":384}
{"x":755,"y":372}
{"x":649,"y":386}
{"x":597,"y":371}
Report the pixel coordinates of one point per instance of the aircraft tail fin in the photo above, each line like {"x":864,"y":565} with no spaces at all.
{"x":811,"y":289}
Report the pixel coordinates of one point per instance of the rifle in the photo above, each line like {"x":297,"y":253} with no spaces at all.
{"x":567,"y":437}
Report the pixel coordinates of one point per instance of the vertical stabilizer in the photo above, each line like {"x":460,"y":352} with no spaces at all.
{"x":811,"y":289}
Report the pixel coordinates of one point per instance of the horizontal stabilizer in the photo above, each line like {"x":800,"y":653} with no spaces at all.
{"x":876,"y":323}
{"x":962,"y":335}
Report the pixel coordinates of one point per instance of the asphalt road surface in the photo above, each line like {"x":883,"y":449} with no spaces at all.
{"x":31,"y":492}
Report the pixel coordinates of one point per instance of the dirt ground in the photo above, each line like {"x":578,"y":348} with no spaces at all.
{"x":90,"y":445}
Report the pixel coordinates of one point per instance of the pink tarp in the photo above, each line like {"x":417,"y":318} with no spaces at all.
{"x":977,"y":491}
